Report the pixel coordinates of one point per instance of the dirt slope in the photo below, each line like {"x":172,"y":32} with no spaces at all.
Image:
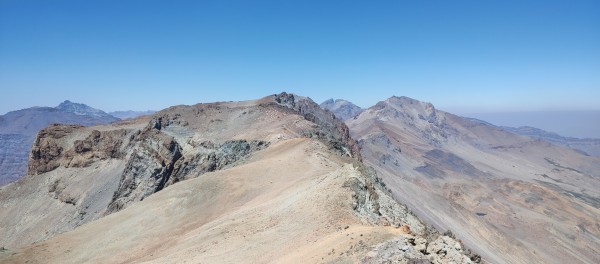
{"x":291,"y":196}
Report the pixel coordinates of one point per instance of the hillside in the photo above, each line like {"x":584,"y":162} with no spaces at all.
{"x":511,"y":198}
{"x":271,"y":180}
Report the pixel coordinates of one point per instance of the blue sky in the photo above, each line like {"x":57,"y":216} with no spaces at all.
{"x":463,"y":56}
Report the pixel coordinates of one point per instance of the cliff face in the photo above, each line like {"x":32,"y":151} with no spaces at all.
{"x":49,"y":151}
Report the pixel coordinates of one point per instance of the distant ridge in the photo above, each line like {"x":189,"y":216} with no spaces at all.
{"x":342,"y":109}
{"x":590,"y":146}
{"x":576,"y":123}
{"x":131,"y":114}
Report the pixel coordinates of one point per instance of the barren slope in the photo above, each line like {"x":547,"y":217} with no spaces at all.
{"x":511,"y":198}
{"x":290,"y":199}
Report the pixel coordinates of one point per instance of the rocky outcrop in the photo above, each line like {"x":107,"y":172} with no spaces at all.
{"x":48,"y":152}
{"x":213,"y":156}
{"x":416,"y":249}
{"x":421,"y":244}
{"x":148,"y":170}
{"x":97,"y":146}
{"x":157,"y":161}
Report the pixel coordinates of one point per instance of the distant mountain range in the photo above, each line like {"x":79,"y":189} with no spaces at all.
{"x":345,"y":110}
{"x":589,"y":146}
{"x":575,"y":124}
{"x":19,"y":128}
{"x":130,"y":114}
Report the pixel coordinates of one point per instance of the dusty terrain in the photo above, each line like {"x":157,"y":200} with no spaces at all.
{"x":272,"y":180}
{"x":511,"y":198}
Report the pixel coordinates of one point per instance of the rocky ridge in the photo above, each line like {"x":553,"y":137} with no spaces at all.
{"x":163,"y":150}
{"x":100,"y":172}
